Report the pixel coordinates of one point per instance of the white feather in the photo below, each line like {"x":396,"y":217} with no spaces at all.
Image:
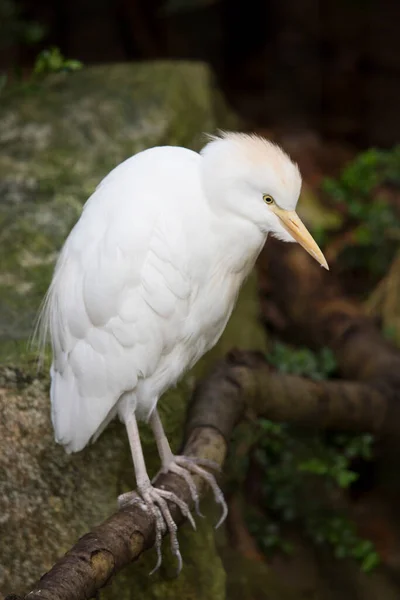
{"x":148,"y":277}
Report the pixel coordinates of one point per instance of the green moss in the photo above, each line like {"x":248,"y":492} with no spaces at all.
{"x":202,"y":577}
{"x":58,"y":139}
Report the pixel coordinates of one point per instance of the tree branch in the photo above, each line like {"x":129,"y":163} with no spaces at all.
{"x":122,"y":538}
{"x":303,"y":304}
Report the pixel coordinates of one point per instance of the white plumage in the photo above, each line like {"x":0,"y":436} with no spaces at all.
{"x":149,"y":275}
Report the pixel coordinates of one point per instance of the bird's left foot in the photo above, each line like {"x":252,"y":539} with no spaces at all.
{"x":155,"y":500}
{"x":186,"y":467}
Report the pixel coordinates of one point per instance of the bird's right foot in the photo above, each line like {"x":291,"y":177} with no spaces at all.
{"x":155,"y":500}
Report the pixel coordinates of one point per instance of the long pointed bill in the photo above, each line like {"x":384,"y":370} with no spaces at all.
{"x":294,"y":225}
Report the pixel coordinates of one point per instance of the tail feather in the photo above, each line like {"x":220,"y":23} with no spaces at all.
{"x":47,"y":324}
{"x":76,"y":420}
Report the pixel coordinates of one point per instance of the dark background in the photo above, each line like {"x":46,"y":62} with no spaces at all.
{"x":332,"y":66}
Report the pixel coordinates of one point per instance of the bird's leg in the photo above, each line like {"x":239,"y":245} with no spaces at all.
{"x":185,"y":466}
{"x":153,"y":499}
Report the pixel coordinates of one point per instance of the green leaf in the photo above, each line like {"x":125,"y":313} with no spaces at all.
{"x":314,"y":465}
{"x":370,"y":562}
{"x":345,"y":478}
{"x":52,"y":61}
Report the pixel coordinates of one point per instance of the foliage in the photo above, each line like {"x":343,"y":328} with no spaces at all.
{"x":14,"y":28}
{"x":302,"y":361}
{"x":340,"y":533}
{"x":360,"y":193}
{"x":48,"y":61}
{"x":300,"y":471}
{"x":52,"y":61}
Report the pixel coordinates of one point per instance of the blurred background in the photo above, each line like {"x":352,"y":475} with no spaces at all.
{"x":83,"y":85}
{"x":332,"y":67}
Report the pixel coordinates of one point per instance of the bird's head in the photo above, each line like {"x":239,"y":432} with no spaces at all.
{"x":254,"y":179}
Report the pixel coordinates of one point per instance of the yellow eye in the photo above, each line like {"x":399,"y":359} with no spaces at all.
{"x":268,"y":199}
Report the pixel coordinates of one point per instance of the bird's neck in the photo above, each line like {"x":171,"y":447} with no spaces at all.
{"x":241,"y":243}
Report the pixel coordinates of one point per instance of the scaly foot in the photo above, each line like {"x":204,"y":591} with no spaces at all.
{"x":185,"y":466}
{"x":155,"y":500}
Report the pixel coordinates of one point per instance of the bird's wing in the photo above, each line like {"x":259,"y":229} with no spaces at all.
{"x":113,"y":308}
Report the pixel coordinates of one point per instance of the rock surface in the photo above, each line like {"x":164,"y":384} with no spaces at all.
{"x":57,"y":141}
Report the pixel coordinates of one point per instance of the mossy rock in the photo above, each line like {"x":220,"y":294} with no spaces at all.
{"x":58,"y":139}
{"x":48,"y":499}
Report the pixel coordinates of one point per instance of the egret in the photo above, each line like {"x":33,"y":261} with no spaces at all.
{"x":146,"y":282}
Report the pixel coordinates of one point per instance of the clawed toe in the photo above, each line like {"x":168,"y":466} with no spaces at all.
{"x":186,"y":467}
{"x":196,"y":466}
{"x":201,"y":462}
{"x":182,"y":472}
{"x":155,"y":500}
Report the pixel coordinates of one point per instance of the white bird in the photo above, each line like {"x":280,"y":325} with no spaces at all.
{"x":146,"y":282}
